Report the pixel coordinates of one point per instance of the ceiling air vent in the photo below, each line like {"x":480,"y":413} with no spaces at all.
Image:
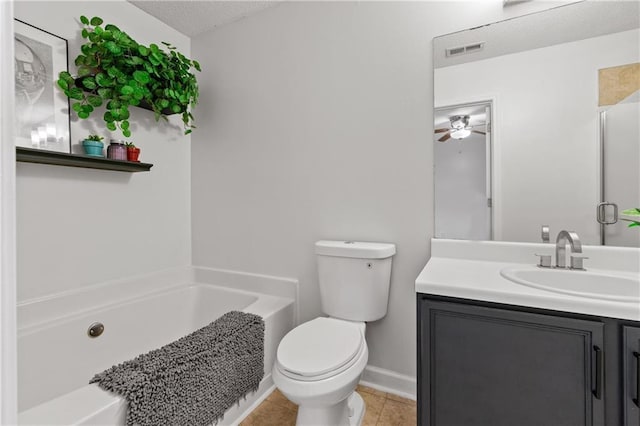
{"x":462,"y":50}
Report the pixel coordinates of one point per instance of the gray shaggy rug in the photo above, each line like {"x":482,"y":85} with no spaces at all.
{"x":195,"y":379}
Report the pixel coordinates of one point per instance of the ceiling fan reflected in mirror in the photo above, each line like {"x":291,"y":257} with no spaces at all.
{"x":459,"y":129}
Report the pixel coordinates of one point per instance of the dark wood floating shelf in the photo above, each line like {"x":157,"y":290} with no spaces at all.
{"x":29,"y":155}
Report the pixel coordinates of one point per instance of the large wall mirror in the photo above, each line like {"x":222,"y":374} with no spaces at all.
{"x":537,"y":122}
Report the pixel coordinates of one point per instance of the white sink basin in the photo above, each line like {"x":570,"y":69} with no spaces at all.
{"x":589,"y":284}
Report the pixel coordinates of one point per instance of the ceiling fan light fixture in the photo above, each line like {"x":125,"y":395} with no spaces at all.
{"x":459,"y":122}
{"x":460,"y":133}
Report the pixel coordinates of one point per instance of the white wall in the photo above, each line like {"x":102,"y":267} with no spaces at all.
{"x":78,"y":227}
{"x":316,"y":123}
{"x":545,"y":130}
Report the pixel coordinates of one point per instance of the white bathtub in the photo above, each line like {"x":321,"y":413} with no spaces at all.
{"x":57,"y":358}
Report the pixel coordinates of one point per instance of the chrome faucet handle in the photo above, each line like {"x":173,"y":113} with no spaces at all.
{"x":576,"y":262}
{"x":545,"y":233}
{"x":544,"y":261}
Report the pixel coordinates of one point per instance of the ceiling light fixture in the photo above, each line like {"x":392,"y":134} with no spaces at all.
{"x":460,"y":133}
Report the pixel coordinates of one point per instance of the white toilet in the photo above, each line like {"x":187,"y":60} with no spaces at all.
{"x":319,"y":363}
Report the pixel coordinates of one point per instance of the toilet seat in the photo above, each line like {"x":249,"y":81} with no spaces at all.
{"x":320,"y":348}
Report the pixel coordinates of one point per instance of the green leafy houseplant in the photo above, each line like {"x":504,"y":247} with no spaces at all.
{"x":632,"y":212}
{"x":94,"y":138}
{"x":116,"y":71}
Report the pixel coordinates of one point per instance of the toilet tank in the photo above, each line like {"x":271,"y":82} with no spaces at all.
{"x":354,"y":278}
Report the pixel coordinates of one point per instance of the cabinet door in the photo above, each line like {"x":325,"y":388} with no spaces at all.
{"x":631,"y":375}
{"x":483,"y":366}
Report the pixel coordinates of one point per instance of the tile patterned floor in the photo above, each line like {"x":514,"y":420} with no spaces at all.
{"x":383,"y":409}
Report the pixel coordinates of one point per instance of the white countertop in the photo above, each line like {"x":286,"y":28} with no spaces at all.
{"x":471,"y":270}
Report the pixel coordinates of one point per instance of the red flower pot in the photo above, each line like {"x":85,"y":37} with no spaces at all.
{"x":133,"y":153}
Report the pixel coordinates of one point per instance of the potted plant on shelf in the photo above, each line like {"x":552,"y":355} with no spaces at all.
{"x":93,"y":146}
{"x":116,"y":71}
{"x":133,"y":152}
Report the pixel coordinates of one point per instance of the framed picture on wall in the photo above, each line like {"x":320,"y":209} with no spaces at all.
{"x":42,"y":111}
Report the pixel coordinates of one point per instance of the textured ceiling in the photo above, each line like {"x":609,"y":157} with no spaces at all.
{"x":193,"y":17}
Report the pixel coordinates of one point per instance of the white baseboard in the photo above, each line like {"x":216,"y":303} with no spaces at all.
{"x":389,"y":381}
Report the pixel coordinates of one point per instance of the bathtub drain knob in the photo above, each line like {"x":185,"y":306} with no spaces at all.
{"x":95,"y":329}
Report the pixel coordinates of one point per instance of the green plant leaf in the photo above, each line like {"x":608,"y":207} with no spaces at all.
{"x":103,"y":80}
{"x":84,"y":20}
{"x":84,"y":33}
{"x":113,"y":104}
{"x":138,"y":93}
{"x":104,"y":92}
{"x":632,"y":212}
{"x":94,"y":100}
{"x":632,"y":224}
{"x":124,"y":112}
{"x":143,"y":50}
{"x":113,"y":71}
{"x":77,"y":106}
{"x":124,"y":125}
{"x":89,"y":83}
{"x":196,"y":65}
{"x":111,"y":27}
{"x":176,"y":108}
{"x":66,"y":77}
{"x":111,"y":126}
{"x":126,"y":90}
{"x":126,"y":132}
{"x":96,"y":21}
{"x":83,"y":114}
{"x":141,"y":76}
{"x":63,"y":84}
{"x":112,"y":47}
{"x":83,"y":71}
{"x":116,"y":35}
{"x":75,"y":93}
{"x":93,"y":37}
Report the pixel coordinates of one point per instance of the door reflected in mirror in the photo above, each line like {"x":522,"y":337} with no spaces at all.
{"x":559,"y":91}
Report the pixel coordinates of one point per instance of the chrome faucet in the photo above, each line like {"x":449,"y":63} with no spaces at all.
{"x":573,"y":239}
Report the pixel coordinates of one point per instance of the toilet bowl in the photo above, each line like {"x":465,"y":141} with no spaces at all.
{"x":318,"y":366}
{"x":319,"y":363}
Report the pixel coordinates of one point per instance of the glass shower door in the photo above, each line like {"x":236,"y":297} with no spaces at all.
{"x":620,"y":134}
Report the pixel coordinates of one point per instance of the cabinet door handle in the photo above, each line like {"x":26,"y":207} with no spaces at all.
{"x":636,"y":400}
{"x":597,"y":392}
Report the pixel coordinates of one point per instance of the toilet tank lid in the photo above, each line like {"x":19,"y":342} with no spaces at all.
{"x":362,"y":250}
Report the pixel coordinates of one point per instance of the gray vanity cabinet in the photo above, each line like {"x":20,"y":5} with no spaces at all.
{"x":631,"y":375}
{"x":481,"y":366}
